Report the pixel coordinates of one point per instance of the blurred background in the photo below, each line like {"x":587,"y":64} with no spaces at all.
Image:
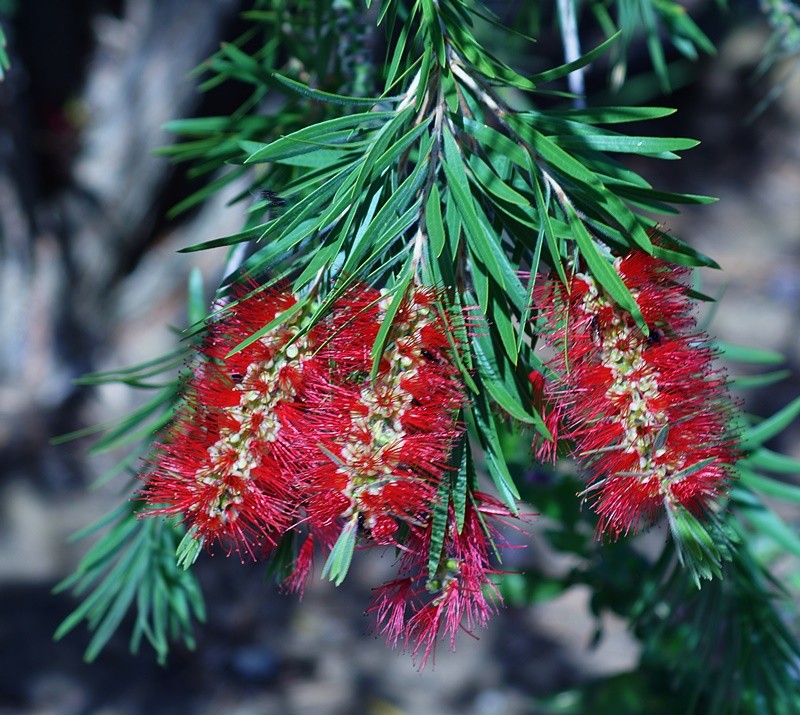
{"x":90,"y":280}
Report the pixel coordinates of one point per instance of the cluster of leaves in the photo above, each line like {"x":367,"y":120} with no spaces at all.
{"x":445,"y":171}
{"x":657,"y":20}
{"x":784,"y":18}
{"x":133,"y":565}
{"x":783,"y":47}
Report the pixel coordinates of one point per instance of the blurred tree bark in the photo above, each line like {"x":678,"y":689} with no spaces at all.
{"x":82,"y":197}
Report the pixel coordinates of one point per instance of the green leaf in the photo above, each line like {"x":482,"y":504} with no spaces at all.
{"x":768,"y":486}
{"x":767,"y":522}
{"x":481,"y":237}
{"x":462,"y":458}
{"x":757,"y":381}
{"x":196,"y":300}
{"x":770,"y":427}
{"x":499,"y":143}
{"x":553,"y":244}
{"x":492,"y":183}
{"x":312,"y":137}
{"x":127,"y":569}
{"x":189,"y":549}
{"x":770,"y":461}
{"x":385,"y":159}
{"x":441,"y":508}
{"x":434,"y":226}
{"x":555,"y":156}
{"x":338,"y":563}
{"x":611,"y":115}
{"x":397,"y":52}
{"x":490,"y":442}
{"x":502,"y":384}
{"x":604,"y":272}
{"x":424,"y":76}
{"x":564,"y":70}
{"x":652,"y":146}
{"x":478,"y":232}
{"x":500,"y":312}
{"x":740,"y":353}
{"x":399,"y":293}
{"x":330,"y":98}
{"x":434,"y":37}
{"x":112,"y":516}
{"x":4,"y":61}
{"x":702,"y":546}
{"x":476,"y":55}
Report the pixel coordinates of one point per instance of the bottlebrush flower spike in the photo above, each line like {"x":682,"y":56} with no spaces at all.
{"x":226,"y":463}
{"x":384,"y":442}
{"x":649,"y":416}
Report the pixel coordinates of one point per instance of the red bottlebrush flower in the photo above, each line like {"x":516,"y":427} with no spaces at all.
{"x":383,"y":443}
{"x":225,"y":463}
{"x":418,"y":606}
{"x":648,"y":415}
{"x":294,"y":437}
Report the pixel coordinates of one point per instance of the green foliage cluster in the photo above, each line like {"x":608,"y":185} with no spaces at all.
{"x":436,"y":161}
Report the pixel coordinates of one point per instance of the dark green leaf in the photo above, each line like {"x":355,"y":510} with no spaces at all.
{"x":603,"y":271}
{"x":490,"y":442}
{"x":399,"y":294}
{"x":768,"y":486}
{"x":564,"y":70}
{"x":767,"y":522}
{"x":740,"y":353}
{"x":312,"y":137}
{"x":441,"y":508}
{"x":611,"y":115}
{"x":328,"y":97}
{"x":767,"y":460}
{"x":770,"y":427}
{"x":758,"y":381}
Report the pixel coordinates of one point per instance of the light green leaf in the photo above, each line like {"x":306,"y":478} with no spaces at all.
{"x":197,"y":306}
{"x":434,"y":225}
{"x":701,"y":545}
{"x":654,"y":146}
{"x":338,"y":563}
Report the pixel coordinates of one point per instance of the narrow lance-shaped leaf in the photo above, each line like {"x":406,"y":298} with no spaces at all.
{"x":338,"y":563}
